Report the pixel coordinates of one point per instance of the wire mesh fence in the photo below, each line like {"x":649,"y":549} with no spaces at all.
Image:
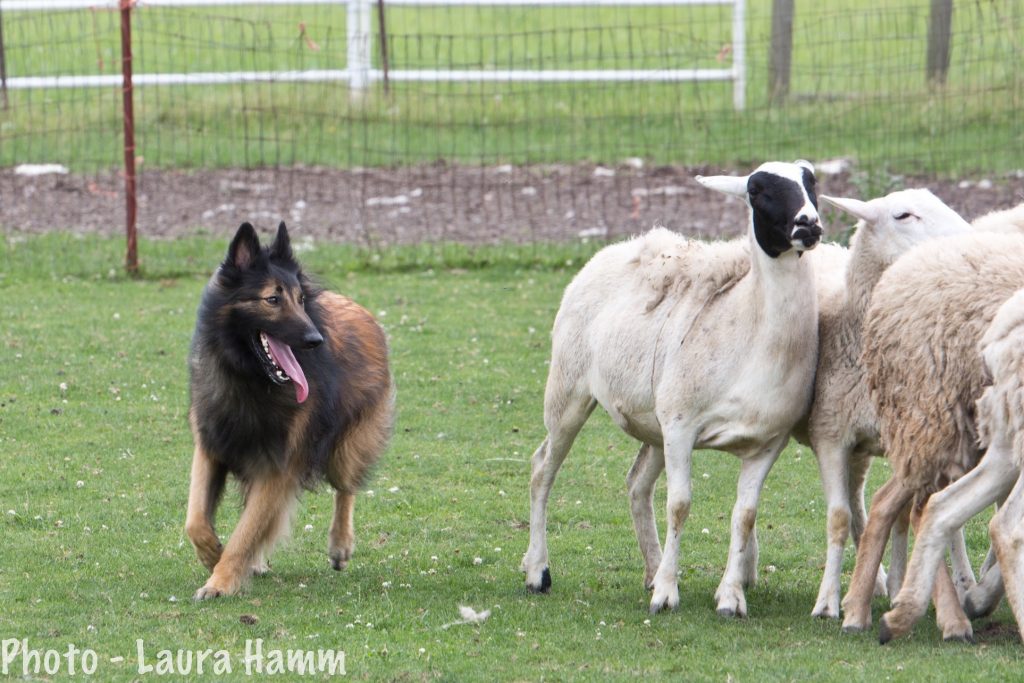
{"x":408,"y":159}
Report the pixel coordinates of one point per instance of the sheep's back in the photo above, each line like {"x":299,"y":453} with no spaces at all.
{"x":671,"y":266}
{"x":927,"y":314}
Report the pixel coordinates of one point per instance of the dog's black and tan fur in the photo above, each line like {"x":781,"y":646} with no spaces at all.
{"x":289,"y":385}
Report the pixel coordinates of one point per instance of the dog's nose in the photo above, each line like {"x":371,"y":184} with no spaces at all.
{"x":312,"y":339}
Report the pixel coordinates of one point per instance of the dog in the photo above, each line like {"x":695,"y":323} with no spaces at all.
{"x":289,"y":385}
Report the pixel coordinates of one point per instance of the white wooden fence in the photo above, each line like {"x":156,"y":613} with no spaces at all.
{"x":359,"y":71}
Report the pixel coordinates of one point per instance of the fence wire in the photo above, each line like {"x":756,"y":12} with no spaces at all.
{"x":502,"y":159}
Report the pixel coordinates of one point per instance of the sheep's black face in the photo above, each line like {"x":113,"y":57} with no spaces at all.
{"x":785,"y":208}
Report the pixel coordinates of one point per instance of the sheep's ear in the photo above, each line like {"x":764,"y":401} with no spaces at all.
{"x":803,"y":163}
{"x":855,"y":207}
{"x":727,"y":184}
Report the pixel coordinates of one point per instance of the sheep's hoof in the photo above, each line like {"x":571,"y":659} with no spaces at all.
{"x":727,"y":612}
{"x":855,"y":628}
{"x":961,"y":636}
{"x":663,"y":607}
{"x":665,"y":599}
{"x":884,"y":632}
{"x":545,"y":583}
{"x":983,"y":606}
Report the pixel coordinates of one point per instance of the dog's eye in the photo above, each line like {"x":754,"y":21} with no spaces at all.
{"x":302,"y":299}
{"x":273,"y":300}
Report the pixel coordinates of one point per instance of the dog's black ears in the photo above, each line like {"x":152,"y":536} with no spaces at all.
{"x":245,"y":247}
{"x":282,"y":246}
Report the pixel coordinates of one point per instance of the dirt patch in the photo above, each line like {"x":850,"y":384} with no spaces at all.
{"x":430,"y":203}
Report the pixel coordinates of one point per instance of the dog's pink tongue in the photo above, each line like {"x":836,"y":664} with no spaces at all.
{"x":284,"y":357}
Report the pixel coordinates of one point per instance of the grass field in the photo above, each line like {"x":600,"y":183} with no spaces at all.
{"x":94,"y":458}
{"x":858,"y":88}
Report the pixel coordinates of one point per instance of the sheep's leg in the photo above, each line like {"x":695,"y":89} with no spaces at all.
{"x":886,"y":506}
{"x":546,"y":460}
{"x":649,"y":463}
{"x":990,"y":556}
{"x":983,"y":598}
{"x":859,"y":464}
{"x":899,"y":543}
{"x":943,"y":518}
{"x":833,"y":466}
{"x":678,"y":453}
{"x":949,"y":615}
{"x":963,"y":574}
{"x":1007,"y":534}
{"x":741,"y":569}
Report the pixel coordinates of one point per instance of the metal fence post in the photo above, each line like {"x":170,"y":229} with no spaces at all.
{"x":781,"y":51}
{"x":940,"y":26}
{"x":131,"y":259}
{"x":359,"y":44}
{"x":739,"y":55}
{"x":3,"y":65}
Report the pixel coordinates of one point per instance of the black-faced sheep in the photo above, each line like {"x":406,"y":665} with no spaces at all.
{"x":690,"y":345}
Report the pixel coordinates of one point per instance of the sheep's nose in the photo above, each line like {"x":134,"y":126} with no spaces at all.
{"x":808,"y":233}
{"x":312,"y":339}
{"x":806,"y":220}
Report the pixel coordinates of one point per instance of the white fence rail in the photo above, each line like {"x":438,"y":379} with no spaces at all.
{"x":359,"y":71}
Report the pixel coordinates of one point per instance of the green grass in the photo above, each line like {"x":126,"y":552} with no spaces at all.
{"x":96,"y":476}
{"x":858,"y":89}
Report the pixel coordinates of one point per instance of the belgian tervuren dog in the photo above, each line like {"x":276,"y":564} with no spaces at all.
{"x":289,"y":385}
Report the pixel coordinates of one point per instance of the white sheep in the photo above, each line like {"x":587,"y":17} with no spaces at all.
{"x":689,"y":345}
{"x":1003,"y":220}
{"x":842,"y":428}
{"x":921,"y":332}
{"x":1000,"y":424}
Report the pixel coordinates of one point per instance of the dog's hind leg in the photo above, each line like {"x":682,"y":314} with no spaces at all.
{"x":268,"y":506}
{"x":349,"y":466}
{"x":205,"y":489}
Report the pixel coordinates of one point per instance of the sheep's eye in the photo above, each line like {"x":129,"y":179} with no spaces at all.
{"x":903,"y":216}
{"x":273,"y":300}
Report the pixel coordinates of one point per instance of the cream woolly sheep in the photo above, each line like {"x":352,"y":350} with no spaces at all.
{"x":1001,"y":428}
{"x":689,"y":345}
{"x":1004,"y":220}
{"x":842,"y":427}
{"x":926,"y":316}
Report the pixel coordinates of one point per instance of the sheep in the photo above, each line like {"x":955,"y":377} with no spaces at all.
{"x":1003,"y":220}
{"x":842,"y":428}
{"x":926,"y":315}
{"x":1000,"y":425}
{"x":689,"y":345}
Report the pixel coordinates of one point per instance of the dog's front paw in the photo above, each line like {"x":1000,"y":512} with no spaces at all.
{"x":216,"y":588}
{"x":340,"y":557}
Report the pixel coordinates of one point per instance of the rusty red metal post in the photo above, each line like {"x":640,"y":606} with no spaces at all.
{"x":131,"y":259}
{"x":3,"y":65}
